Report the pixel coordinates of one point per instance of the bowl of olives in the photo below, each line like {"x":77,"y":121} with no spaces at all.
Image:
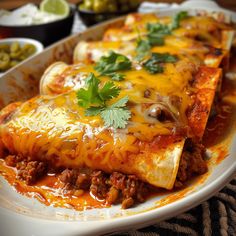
{"x":15,"y":50}
{"x":95,"y":11}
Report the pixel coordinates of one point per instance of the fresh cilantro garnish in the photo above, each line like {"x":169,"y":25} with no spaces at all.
{"x":175,"y":24}
{"x":91,"y":94}
{"x":114,"y":62}
{"x":94,"y":99}
{"x":108,"y":91}
{"x":155,"y":63}
{"x":143,"y":49}
{"x":117,"y":76}
{"x":156,"y":40}
{"x":117,"y":114}
{"x":152,"y":67}
{"x":158,"y":29}
{"x":156,"y":35}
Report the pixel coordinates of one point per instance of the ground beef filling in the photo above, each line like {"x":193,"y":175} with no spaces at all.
{"x":191,"y":163}
{"x":113,"y":188}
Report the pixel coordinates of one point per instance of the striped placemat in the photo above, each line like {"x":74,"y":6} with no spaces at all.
{"x":215,"y":217}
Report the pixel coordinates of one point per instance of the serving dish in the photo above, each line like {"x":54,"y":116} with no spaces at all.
{"x":46,"y":33}
{"x":90,"y":18}
{"x":55,"y":221}
{"x":22,"y":42}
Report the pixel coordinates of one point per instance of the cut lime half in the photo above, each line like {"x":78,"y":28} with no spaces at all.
{"x":58,"y":7}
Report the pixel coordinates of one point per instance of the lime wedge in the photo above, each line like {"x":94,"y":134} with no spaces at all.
{"x":58,"y":7}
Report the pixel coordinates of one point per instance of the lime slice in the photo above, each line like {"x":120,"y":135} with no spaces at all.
{"x":58,"y":7}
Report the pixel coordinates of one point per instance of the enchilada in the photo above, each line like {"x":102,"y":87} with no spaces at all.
{"x":166,"y":103}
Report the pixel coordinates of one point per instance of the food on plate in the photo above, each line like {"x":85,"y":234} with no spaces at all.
{"x":13,"y":53}
{"x":30,"y":14}
{"x":180,"y":34}
{"x":126,"y":118}
{"x":156,"y":30}
{"x":198,"y":52}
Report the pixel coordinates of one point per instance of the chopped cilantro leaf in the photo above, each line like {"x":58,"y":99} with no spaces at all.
{"x":177,"y":18}
{"x":117,"y":76}
{"x":114,"y":62}
{"x":116,"y":115}
{"x":156,"y":40}
{"x":156,"y":35}
{"x":163,"y":57}
{"x":143,"y":49}
{"x":94,"y":100}
{"x":90,"y":95}
{"x":154,"y":64}
{"x":153,"y":67}
{"x":157,"y":28}
{"x":108,"y":91}
{"x":93,"y":111}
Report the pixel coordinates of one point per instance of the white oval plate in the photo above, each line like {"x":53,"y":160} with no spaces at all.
{"x":20,"y":215}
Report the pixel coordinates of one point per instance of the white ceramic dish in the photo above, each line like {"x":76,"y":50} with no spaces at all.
{"x":23,"y":216}
{"x":23,"y":41}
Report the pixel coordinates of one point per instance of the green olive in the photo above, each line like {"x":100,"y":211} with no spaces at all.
{"x":4,"y":61}
{"x":100,"y":6}
{"x":16,"y":54}
{"x":12,"y":54}
{"x":15,"y":47}
{"x":4,"y":48}
{"x":88,"y":4}
{"x":28,"y":50}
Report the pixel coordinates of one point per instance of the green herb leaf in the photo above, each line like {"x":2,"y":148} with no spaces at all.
{"x":158,"y":28}
{"x":177,"y":18}
{"x":95,"y":96}
{"x":121,"y":103}
{"x":156,"y":35}
{"x":143,"y":49}
{"x":156,"y":40}
{"x":108,"y":91}
{"x":93,"y":111}
{"x":116,"y":115}
{"x":152,"y":67}
{"x":114,"y":62}
{"x":94,"y":100}
{"x":90,"y":95}
{"x":154,"y":64}
{"x":117,"y":76}
{"x":163,"y":57}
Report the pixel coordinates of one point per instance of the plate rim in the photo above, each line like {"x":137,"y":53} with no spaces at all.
{"x":142,"y":219}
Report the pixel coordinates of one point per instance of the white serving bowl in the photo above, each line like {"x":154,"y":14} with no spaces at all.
{"x":23,"y":41}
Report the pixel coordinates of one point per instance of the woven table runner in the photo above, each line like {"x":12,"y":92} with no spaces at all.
{"x":216,"y":217}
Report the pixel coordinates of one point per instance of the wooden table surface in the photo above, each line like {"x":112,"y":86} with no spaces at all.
{"x":9,"y":4}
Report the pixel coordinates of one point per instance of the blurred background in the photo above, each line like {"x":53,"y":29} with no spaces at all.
{"x":9,"y":4}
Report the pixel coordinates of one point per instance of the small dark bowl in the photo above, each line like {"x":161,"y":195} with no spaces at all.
{"x":47,"y":33}
{"x":90,"y":17}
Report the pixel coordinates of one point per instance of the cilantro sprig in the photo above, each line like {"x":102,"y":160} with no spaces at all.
{"x":156,"y":35}
{"x":94,"y":100}
{"x":143,"y":49}
{"x":175,"y":24}
{"x":114,"y":62}
{"x":155,"y":63}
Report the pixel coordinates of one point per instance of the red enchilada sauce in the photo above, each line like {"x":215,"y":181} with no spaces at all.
{"x":50,"y":188}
